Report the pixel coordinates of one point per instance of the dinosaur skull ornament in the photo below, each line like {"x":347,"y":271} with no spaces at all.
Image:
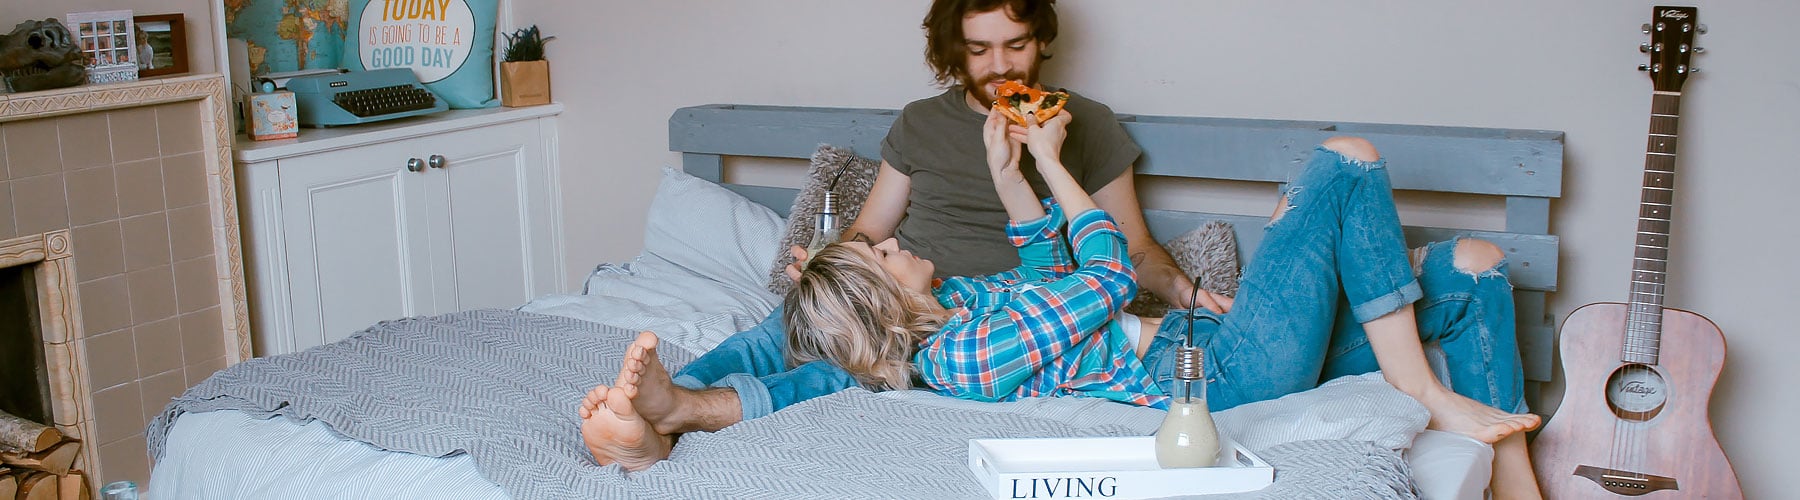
{"x":40,"y":55}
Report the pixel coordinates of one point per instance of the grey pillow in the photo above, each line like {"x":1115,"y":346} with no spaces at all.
{"x":852,"y":188}
{"x":1208,"y":252}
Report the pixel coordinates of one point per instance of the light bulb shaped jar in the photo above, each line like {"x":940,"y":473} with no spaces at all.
{"x":1188,"y":437}
{"x":825,"y":227}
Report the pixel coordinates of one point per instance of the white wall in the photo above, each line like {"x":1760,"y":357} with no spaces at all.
{"x":196,"y":17}
{"x":622,"y":67}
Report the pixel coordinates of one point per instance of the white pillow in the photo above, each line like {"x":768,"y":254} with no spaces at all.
{"x":711,"y":231}
{"x":1355,"y":407}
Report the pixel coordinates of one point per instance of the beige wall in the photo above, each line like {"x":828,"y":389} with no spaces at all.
{"x":196,"y":14}
{"x":622,"y":67}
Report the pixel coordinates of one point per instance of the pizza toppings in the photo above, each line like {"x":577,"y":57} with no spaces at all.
{"x":1015,"y":100}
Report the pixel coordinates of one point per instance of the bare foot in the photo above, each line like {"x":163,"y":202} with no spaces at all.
{"x":1452,"y":412}
{"x":653,"y":393}
{"x":614,"y":433}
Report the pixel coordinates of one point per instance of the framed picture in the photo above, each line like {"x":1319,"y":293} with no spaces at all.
{"x":161,"y":45}
{"x":105,"y":39}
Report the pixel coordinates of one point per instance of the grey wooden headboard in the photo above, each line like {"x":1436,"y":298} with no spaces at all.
{"x":1523,"y":166}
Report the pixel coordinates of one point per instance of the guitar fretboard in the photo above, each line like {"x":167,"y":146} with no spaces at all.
{"x":1643,"y":329}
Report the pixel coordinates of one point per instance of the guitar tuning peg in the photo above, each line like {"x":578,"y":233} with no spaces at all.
{"x":1701,"y":28}
{"x":1644,"y":47}
{"x":1695,"y":69}
{"x":1698,"y":50}
{"x":1643,"y":67}
{"x":1646,"y":28}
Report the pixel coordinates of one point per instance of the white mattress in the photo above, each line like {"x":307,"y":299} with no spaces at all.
{"x":229,"y":454}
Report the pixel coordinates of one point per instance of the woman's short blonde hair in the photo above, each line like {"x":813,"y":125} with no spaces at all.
{"x":847,"y":310}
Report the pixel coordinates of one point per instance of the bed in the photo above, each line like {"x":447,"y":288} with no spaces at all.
{"x":481,"y":404}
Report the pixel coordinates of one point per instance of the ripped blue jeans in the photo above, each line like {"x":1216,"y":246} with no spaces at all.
{"x":1334,"y":260}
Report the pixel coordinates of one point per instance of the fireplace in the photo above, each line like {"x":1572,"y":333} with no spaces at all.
{"x":119,"y":241}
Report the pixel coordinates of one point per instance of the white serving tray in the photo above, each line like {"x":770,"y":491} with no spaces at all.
{"x":1109,"y":467}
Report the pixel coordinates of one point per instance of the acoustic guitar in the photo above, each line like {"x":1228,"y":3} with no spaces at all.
{"x":1633,"y":421}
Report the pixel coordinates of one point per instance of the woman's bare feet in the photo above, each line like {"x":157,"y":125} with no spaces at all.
{"x":653,"y":393}
{"x":1452,"y":412}
{"x":615,"y":433}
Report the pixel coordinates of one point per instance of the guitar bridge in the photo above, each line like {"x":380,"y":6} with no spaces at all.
{"x":1625,"y":482}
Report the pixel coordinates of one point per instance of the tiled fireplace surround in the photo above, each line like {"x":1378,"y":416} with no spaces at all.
{"x":129,"y":191}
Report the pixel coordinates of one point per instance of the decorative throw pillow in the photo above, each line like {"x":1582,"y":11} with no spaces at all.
{"x":853,"y":176}
{"x":1209,"y":253}
{"x":449,"y":44}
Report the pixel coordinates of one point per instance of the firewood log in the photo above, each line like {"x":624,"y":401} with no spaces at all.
{"x":74,"y":487}
{"x":55,"y":460}
{"x":18,"y":434}
{"x":9,"y":485}
{"x":38,"y":486}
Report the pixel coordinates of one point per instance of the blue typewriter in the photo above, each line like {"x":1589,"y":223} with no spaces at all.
{"x":330,"y":100}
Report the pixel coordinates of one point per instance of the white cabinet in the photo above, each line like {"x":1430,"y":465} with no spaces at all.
{"x":348,"y":227}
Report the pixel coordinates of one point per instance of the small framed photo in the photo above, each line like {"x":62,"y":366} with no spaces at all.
{"x":105,"y":41}
{"x":161,"y":45}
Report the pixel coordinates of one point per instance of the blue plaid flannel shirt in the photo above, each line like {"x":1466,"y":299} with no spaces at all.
{"x":1044,"y":328}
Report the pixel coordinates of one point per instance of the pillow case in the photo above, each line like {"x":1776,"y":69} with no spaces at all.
{"x":834,"y":168}
{"x":710,"y":230}
{"x":1354,"y":407}
{"x":1208,"y":252}
{"x":449,"y":44}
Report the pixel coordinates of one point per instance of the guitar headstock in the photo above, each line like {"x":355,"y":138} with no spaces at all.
{"x":1671,"y":46}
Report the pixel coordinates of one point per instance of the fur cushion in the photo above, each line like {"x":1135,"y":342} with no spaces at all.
{"x":1208,"y":253}
{"x":858,"y":175}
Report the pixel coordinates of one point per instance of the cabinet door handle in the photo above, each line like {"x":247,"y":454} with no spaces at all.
{"x":438,"y":161}
{"x":415,"y":165}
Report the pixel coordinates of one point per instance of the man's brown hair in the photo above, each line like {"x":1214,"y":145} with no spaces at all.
{"x":944,"y":49}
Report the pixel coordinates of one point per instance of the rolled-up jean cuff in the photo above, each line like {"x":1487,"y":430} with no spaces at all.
{"x":689,"y":382}
{"x":752,"y":395}
{"x":1380,"y":306}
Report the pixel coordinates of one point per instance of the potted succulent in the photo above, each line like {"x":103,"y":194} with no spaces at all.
{"x":524,"y":74}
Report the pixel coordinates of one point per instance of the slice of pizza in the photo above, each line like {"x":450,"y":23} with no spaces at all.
{"x":1015,"y":100}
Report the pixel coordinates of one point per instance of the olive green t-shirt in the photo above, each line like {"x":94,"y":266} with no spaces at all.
{"x":954,"y":217}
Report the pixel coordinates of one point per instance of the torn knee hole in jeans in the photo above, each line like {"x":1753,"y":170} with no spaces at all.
{"x":1285,"y":205}
{"x":1491,"y":270}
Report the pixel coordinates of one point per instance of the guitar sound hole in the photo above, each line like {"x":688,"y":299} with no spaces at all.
{"x":1636,"y":392}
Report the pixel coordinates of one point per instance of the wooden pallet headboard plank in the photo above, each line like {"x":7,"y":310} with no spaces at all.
{"x":776,"y":131}
{"x":1523,"y":166}
{"x":1472,"y":161}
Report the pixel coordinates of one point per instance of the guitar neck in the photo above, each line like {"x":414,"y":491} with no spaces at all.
{"x":1643,"y":332}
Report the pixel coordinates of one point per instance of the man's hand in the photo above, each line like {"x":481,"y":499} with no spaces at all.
{"x":793,"y":268}
{"x":1180,"y":292}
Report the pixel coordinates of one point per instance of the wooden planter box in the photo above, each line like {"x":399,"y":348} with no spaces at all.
{"x":524,"y":83}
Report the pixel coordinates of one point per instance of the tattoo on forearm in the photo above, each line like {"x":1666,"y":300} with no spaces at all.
{"x":1137,"y":259}
{"x":859,"y":236}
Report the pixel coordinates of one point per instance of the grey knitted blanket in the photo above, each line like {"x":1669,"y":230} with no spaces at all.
{"x":502,"y":386}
